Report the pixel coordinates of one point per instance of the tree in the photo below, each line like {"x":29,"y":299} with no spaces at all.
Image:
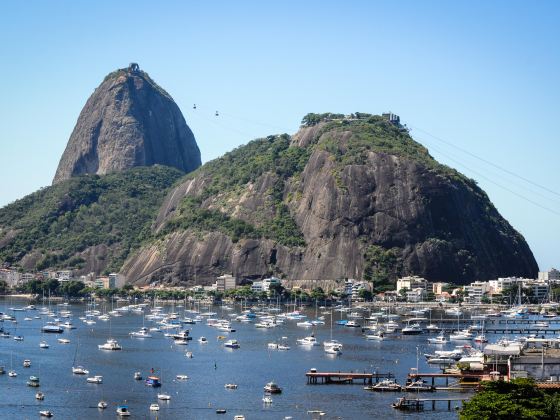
{"x":3,"y":287}
{"x":365,"y":294}
{"x":318,"y":294}
{"x":517,"y":399}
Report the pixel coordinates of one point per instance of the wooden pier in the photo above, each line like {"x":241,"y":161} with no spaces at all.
{"x":314,"y":378}
{"x":466,"y":380}
{"x":418,"y":404}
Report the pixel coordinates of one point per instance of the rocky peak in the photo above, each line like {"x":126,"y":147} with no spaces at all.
{"x":128,"y":121}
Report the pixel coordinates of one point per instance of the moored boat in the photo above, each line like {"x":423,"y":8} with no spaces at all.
{"x":272,"y":388}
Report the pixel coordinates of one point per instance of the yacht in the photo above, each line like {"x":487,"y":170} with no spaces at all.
{"x":432,"y":328}
{"x":267,"y":399}
{"x":51,"y":328}
{"x":44,"y":345}
{"x":272,"y":388}
{"x":97,"y":379}
{"x":46,"y":413}
{"x":18,"y":337}
{"x":283,"y":347}
{"x":154,"y":407}
{"x":63,"y":341}
{"x":33,"y":381}
{"x":12,"y":373}
{"x":102,"y":405}
{"x":202,"y":340}
{"x":164,"y":397}
{"x":230,"y":386}
{"x":27,"y":363}
{"x":39,"y":396}
{"x":111,"y":344}
{"x":304,"y":324}
{"x":353,"y":324}
{"x":480,"y":338}
{"x":182,"y":377}
{"x":413,"y":329}
{"x":307,"y":341}
{"x":137,"y":376}
{"x":232,"y":344}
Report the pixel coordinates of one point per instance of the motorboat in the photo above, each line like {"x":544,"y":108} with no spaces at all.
{"x":110,"y":344}
{"x":267,"y":399}
{"x":97,"y":379}
{"x":230,"y":386}
{"x":304,"y":324}
{"x":283,"y":347}
{"x":33,"y":381}
{"x":232,"y":344}
{"x":12,"y":373}
{"x":102,"y":405}
{"x":440,"y":339}
{"x":122,"y":411}
{"x":142,"y":333}
{"x":164,"y":397}
{"x":386,"y":385}
{"x":419,"y":386}
{"x":46,"y":413}
{"x":44,"y":345}
{"x":272,"y":388}
{"x":153,"y":381}
{"x":39,"y":396}
{"x":307,"y":341}
{"x":138,"y":376}
{"x":79,"y":370}
{"x":272,"y":346}
{"x":181,"y":377}
{"x":432,"y":328}
{"x":18,"y":337}
{"x":481,"y":338}
{"x":202,"y":340}
{"x":27,"y":363}
{"x":189,"y":354}
{"x":413,"y":329}
{"x":52,"y":328}
{"x":63,"y":341}
{"x":353,"y":324}
{"x":378,"y":335}
{"x":154,"y":407}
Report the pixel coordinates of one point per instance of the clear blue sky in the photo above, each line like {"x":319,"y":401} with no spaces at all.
{"x":480,"y":75}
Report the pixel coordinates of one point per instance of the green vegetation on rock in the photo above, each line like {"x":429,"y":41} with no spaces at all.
{"x":64,"y":220}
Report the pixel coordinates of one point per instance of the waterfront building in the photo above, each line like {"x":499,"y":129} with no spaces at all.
{"x":412,"y":282}
{"x":476,"y":290}
{"x":225,"y":282}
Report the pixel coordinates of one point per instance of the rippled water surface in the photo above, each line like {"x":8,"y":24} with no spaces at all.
{"x":68,"y":396}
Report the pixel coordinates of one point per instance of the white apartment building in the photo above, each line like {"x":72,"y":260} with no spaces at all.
{"x":412,"y":282}
{"x":477,"y":290}
{"x":551,"y":275}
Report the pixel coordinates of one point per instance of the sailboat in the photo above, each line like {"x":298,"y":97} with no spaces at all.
{"x":12,"y":373}
{"x":331,"y":342}
{"x":78,"y":370}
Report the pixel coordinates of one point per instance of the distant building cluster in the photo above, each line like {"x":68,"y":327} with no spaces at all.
{"x":15,"y":279}
{"x":416,"y":289}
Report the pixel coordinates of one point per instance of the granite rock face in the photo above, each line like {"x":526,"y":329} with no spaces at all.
{"x":128,"y":121}
{"x":367,"y":202}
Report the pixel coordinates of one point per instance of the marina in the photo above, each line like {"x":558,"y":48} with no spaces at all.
{"x":199,"y":367}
